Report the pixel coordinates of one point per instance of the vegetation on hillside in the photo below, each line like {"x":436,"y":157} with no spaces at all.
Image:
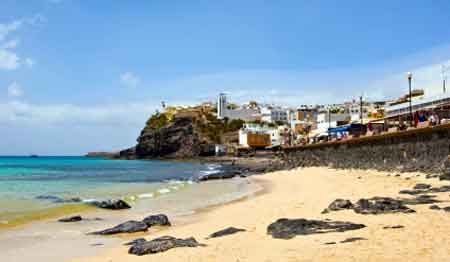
{"x":206,"y":123}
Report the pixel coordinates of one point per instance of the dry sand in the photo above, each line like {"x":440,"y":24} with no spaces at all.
{"x":304,"y":193}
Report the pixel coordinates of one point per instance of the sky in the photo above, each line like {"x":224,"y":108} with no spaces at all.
{"x":83,"y":75}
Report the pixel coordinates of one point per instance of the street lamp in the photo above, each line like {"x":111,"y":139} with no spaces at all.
{"x":444,"y":70}
{"x":409,"y":76}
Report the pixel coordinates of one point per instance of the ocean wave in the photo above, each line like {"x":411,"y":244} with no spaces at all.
{"x":146,"y":195}
{"x":164,"y":190}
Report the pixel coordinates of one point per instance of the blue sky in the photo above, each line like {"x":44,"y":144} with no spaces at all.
{"x":79,"y":75}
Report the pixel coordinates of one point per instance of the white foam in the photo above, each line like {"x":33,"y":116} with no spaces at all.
{"x":164,"y":191}
{"x":146,"y":195}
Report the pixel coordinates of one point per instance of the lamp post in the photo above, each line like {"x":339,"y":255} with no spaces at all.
{"x":361,"y":109}
{"x":444,"y":70}
{"x":409,"y":76}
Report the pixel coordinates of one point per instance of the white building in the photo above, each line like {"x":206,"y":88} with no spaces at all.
{"x":273,"y":114}
{"x":252,"y":128}
{"x":246,"y":114}
{"x":326,"y":120}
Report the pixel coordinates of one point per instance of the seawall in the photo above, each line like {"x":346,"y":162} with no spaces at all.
{"x":424,"y":150}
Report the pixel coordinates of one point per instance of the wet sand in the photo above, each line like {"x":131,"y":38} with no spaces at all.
{"x":304,"y":193}
{"x":47,"y":240}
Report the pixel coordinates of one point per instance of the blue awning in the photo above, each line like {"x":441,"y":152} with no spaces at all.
{"x":339,"y":129}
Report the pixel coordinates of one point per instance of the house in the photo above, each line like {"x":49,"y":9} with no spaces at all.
{"x":272,"y":114}
{"x":258,"y":136}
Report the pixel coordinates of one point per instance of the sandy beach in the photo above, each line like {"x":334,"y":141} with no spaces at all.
{"x":304,"y":193}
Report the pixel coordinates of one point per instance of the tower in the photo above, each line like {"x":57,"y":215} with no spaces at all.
{"x":221,"y":106}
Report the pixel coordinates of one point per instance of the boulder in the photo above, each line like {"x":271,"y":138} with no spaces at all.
{"x":226,"y":231}
{"x":445,"y":176}
{"x":393,"y":227}
{"x":288,"y":228}
{"x":422,"y":186}
{"x":157,"y":220}
{"x":352,"y":239}
{"x":381,"y":205}
{"x":435,"y":207}
{"x":127,"y":227}
{"x":420,"y":200}
{"x":162,"y":244}
{"x":112,"y":204}
{"x":136,"y":241}
{"x":338,"y":204}
{"x":70,"y":219}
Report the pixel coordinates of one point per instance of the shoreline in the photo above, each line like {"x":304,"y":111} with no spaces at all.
{"x":50,"y":233}
{"x":304,"y":193}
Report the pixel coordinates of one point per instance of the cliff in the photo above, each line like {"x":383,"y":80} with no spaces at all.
{"x":181,"y":135}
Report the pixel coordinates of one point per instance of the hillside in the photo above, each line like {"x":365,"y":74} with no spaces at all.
{"x":183,"y":134}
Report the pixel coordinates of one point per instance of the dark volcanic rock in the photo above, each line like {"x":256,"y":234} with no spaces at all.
{"x":381,"y":205}
{"x":338,"y":204}
{"x":112,"y":204}
{"x":393,"y":227}
{"x":288,"y":228}
{"x":219,"y":175}
{"x":127,"y":227}
{"x":445,"y":176}
{"x":157,"y":220}
{"x":352,"y":239}
{"x":420,"y":200}
{"x":446,"y":209}
{"x":422,"y":186}
{"x":412,"y":192}
{"x":226,"y":231}
{"x":178,"y":138}
{"x":441,"y":189}
{"x":70,"y":219}
{"x":435,"y":207}
{"x":162,"y":244}
{"x":136,"y":241}
{"x":329,"y":243}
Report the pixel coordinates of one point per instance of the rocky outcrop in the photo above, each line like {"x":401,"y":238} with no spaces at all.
{"x":381,"y":205}
{"x":70,"y":219}
{"x":226,"y":231}
{"x":288,"y":228}
{"x":162,"y":244}
{"x":127,"y":227}
{"x":338,"y":204}
{"x":157,"y":220}
{"x":111,"y":204}
{"x":178,"y":138}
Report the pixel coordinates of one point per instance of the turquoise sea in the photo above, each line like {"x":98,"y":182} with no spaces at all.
{"x":30,"y":185}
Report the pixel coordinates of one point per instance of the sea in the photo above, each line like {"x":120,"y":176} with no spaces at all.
{"x":33,"y":188}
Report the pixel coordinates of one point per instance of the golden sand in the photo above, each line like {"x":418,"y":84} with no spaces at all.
{"x":304,"y":193}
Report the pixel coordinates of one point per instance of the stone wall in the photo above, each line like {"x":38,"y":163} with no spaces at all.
{"x":424,"y":150}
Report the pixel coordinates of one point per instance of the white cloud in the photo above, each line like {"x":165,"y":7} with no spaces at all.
{"x":20,"y":112}
{"x":8,"y":60}
{"x":8,"y":28}
{"x":10,"y":44}
{"x":129,"y":80}
{"x":29,"y":62}
{"x":15,"y":90}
